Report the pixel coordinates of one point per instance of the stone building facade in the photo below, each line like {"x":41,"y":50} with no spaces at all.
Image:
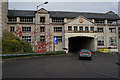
{"x":73,"y":30}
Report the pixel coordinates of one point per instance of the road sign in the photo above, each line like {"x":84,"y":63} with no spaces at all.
{"x":55,"y":40}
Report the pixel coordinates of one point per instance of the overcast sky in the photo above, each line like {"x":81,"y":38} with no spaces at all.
{"x":99,"y":7}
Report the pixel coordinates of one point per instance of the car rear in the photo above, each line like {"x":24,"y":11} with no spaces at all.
{"x":85,"y":54}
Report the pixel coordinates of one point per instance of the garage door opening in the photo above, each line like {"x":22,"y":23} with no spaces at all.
{"x":77,"y":43}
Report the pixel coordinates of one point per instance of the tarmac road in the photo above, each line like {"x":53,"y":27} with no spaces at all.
{"x":62,"y":66}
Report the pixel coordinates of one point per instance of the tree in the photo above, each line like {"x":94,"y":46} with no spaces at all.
{"x":13,"y":44}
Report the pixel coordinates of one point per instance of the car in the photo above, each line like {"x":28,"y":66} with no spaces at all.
{"x":84,"y":53}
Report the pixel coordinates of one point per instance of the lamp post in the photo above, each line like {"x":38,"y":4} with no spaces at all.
{"x":37,"y":26}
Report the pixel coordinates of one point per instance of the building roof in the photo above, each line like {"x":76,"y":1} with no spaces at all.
{"x":63,"y":14}
{"x":21,"y":13}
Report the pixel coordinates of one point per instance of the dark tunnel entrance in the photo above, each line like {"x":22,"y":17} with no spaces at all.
{"x":77,"y":43}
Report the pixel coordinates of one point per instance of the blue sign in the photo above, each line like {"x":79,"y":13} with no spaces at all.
{"x":55,"y":40}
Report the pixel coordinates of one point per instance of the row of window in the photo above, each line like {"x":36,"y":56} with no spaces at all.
{"x":59,"y":29}
{"x":54,"y":20}
{"x":80,"y":28}
{"x":113,"y":30}
{"x":108,"y":21}
{"x":112,"y":41}
{"x":42,"y":38}
{"x":100,"y":41}
{"x":42,"y":29}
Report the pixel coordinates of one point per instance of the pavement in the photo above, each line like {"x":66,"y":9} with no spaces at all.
{"x":62,"y":66}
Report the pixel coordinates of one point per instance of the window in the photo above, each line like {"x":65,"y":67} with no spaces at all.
{"x":100,"y":41}
{"x":86,"y":29}
{"x":58,"y":20}
{"x":75,"y":28}
{"x":42,"y":38}
{"x":113,"y":41}
{"x":42,"y":29}
{"x":26,"y":19}
{"x":100,"y":21}
{"x":26,"y":29}
{"x":59,"y":38}
{"x":12,"y":29}
{"x":27,"y":38}
{"x":42,"y":19}
{"x":69,"y":28}
{"x":112,"y":30}
{"x":112,"y":22}
{"x":80,"y":28}
{"x":57,"y":29}
{"x":91,"y":28}
{"x":12,"y":19}
{"x":99,"y":29}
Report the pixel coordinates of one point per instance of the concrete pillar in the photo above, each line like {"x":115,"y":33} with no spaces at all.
{"x":66,"y":44}
{"x":105,"y":21}
{"x":18,"y":19}
{"x":50,"y":20}
{"x":93,"y":20}
{"x":65,"y":20}
{"x":95,"y":43}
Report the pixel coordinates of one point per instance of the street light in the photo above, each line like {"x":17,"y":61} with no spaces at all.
{"x":37,"y":25}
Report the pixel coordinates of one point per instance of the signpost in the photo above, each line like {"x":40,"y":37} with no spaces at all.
{"x":55,"y":42}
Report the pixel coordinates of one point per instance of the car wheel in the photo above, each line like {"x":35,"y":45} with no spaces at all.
{"x":90,"y":58}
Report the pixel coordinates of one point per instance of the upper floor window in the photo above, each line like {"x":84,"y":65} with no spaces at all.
{"x":112,"y":22}
{"x":69,"y":28}
{"x":86,"y":29}
{"x":42,"y":19}
{"x":57,"y":29}
{"x":75,"y":28}
{"x":100,"y":41}
{"x":26,"y":29}
{"x":12,"y":28}
{"x":91,"y":28}
{"x":112,"y":30}
{"x":59,"y":38}
{"x":113,"y":41}
{"x":42,"y":29}
{"x":42,"y":38}
{"x":12,"y":19}
{"x":27,"y":38}
{"x":58,"y":20}
{"x":99,"y":29}
{"x":81,"y":28}
{"x":100,"y":21}
{"x":26,"y":19}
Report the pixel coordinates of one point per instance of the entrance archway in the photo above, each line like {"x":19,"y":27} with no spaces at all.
{"x":77,"y":43}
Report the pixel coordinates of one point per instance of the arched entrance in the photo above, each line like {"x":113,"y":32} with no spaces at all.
{"x":77,"y":43}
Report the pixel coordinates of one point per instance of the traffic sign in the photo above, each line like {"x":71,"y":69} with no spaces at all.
{"x":55,"y":40}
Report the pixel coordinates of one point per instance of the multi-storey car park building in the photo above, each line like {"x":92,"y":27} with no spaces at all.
{"x":73,"y":30}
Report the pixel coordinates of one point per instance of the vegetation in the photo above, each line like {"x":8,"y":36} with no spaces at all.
{"x":13,"y":44}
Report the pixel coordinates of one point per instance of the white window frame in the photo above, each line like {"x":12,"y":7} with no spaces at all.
{"x":112,"y":41}
{"x":27,"y":38}
{"x":42,"y":38}
{"x":80,"y":28}
{"x":69,"y":28}
{"x":57,"y":29}
{"x":100,"y":29}
{"x":59,"y":38}
{"x":12,"y":19}
{"x":112,"y":30}
{"x":26,"y":19}
{"x":75,"y":28}
{"x":26,"y":29}
{"x":12,"y":28}
{"x":100,"y":41}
